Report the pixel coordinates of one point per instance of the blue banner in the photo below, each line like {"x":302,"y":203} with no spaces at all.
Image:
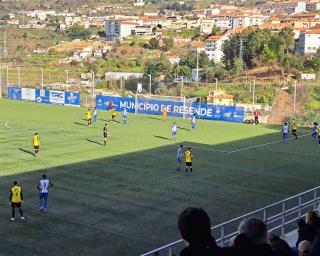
{"x":42,"y":96}
{"x":14,"y":93}
{"x":45,"y":96}
{"x":178,"y":109}
{"x":72,"y":99}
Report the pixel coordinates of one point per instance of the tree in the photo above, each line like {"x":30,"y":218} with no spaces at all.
{"x":238,"y":67}
{"x":184,"y":71}
{"x":154,"y":43}
{"x":287,"y":36}
{"x":168,"y":44}
{"x":131,"y":84}
{"x":78,"y":32}
{"x":216,"y":31}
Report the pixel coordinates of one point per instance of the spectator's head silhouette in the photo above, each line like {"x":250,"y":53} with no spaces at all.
{"x":255,"y":229}
{"x":194,"y":226}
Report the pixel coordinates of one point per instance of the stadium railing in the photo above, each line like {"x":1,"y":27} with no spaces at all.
{"x":280,"y":217}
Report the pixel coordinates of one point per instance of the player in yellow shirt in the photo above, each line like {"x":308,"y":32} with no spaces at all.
{"x":15,"y":200}
{"x":164,"y":113}
{"x":189,"y":156}
{"x":113,"y":114}
{"x":89,"y":117}
{"x":36,"y":144}
{"x":294,"y":129}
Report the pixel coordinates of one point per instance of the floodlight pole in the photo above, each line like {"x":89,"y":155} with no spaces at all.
{"x":216,"y":83}
{"x":41,"y":78}
{"x":93,"y":84}
{"x":253,"y":95}
{"x":295,"y":97}
{"x":181,"y":89}
{"x":19,"y":78}
{"x":7,"y":76}
{"x":150,"y":83}
{"x":0,"y":79}
{"x":67,"y":75}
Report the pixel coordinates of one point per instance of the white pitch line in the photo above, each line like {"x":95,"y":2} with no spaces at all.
{"x":210,"y":149}
{"x":264,"y":144}
{"x":7,"y":125}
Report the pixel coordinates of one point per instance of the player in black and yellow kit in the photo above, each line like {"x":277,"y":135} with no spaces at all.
{"x":294,"y":129}
{"x":15,"y":200}
{"x":36,"y":144}
{"x":89,"y":117}
{"x":105,"y":134}
{"x":113,"y":114}
{"x":188,"y":155}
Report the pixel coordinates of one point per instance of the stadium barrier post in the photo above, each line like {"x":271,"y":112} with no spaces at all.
{"x":283,"y":218}
{"x":222,"y":235}
{"x":170,"y":251}
{"x":315,"y":195}
{"x":265,"y":215}
{"x":136,"y":105}
{"x":300,"y":203}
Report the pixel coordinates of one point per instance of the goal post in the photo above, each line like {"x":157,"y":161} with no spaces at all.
{"x":154,"y":104}
{"x":178,"y":106}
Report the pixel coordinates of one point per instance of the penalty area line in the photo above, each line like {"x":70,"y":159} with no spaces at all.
{"x":264,"y":144}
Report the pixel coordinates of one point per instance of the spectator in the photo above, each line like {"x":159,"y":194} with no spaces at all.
{"x":195,"y":229}
{"x":315,"y":248}
{"x":304,"y":248}
{"x":279,"y":245}
{"x":252,"y":240}
{"x":307,"y":228}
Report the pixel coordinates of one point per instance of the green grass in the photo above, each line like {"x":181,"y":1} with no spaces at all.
{"x":124,"y":200}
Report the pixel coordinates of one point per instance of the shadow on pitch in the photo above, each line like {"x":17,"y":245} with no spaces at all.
{"x":155,"y":118}
{"x":95,"y":142}
{"x":79,"y":124}
{"x":182,"y":128}
{"x":161,"y":137}
{"x":26,"y":151}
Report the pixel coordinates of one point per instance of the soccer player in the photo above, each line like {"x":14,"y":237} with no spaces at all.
{"x":193,"y":122}
{"x":113,"y":114}
{"x":124,"y":116}
{"x":294,"y":129}
{"x":179,"y":157}
{"x":285,"y":131}
{"x":189,"y":156}
{"x":36,"y":144}
{"x":315,"y":130}
{"x":15,"y":200}
{"x":105,"y":134}
{"x":164,"y":113}
{"x":43,"y":187}
{"x":89,"y":117}
{"x":174,"y":129}
{"x":95,"y":115}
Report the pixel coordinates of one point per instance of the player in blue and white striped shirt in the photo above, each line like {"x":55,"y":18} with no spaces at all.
{"x":193,"y":122}
{"x":179,"y":157}
{"x":43,"y":187}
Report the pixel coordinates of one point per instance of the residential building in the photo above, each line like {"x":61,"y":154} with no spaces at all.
{"x":313,"y":6}
{"x":246,"y":20}
{"x":141,"y":30}
{"x":119,"y":28}
{"x":222,"y":21}
{"x":286,"y":7}
{"x":308,"y":42}
{"x":214,"y":46}
{"x":139,"y":3}
{"x":220,"y":97}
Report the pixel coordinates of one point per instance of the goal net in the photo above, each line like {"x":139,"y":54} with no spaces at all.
{"x":192,"y":106}
{"x":155,"y":104}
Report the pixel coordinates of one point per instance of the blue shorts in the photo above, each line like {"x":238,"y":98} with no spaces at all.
{"x":179,"y":160}
{"x":174,"y":133}
{"x":44,"y":196}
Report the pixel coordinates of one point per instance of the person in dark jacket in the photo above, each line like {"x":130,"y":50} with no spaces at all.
{"x":279,"y":245}
{"x":252,"y":240}
{"x":195,"y":229}
{"x":305,"y":232}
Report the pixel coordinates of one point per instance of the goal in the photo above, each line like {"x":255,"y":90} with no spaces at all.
{"x":154,"y":104}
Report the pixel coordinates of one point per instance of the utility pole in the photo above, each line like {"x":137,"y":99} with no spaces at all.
{"x":0,"y":78}
{"x":241,"y":53}
{"x":4,"y":50}
{"x":67,"y":75}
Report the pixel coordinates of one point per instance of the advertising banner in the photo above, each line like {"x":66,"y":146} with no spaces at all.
{"x":72,"y":99}
{"x":154,"y":107}
{"x":28,"y":94}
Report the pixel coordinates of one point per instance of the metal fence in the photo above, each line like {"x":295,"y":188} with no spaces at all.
{"x":280,"y":217}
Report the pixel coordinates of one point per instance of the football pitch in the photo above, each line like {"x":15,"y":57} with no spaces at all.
{"x":125,"y":199}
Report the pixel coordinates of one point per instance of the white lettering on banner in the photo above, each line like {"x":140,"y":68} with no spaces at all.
{"x":175,"y":109}
{"x":169,"y":108}
{"x":209,"y":112}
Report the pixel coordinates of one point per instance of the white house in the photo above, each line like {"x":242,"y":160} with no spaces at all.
{"x":213,"y":47}
{"x":139,"y":3}
{"x":309,"y":42}
{"x":119,"y":28}
{"x":285,"y":7}
{"x":247,"y":20}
